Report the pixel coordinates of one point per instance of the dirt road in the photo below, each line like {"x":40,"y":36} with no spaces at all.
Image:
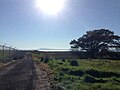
{"x":22,"y":75}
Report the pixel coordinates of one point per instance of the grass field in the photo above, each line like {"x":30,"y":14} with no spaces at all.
{"x":86,"y":74}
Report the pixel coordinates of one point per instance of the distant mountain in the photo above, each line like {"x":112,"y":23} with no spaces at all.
{"x":45,"y":49}
{"x":49,"y":49}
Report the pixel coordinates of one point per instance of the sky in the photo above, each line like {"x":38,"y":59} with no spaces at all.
{"x":25,"y":26}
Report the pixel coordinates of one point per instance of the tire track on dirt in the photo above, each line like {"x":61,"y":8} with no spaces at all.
{"x":19,"y":78}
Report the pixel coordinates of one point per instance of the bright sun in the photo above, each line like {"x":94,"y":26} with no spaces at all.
{"x":50,"y":7}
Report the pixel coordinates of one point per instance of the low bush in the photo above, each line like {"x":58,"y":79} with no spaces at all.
{"x":76,"y":72}
{"x":74,"y":63}
{"x":46,"y":60}
{"x":101,"y":74}
{"x":63,"y":60}
{"x":42,"y":59}
{"x":90,"y":79}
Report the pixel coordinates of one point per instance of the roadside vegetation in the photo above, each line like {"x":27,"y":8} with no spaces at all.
{"x":83,"y":74}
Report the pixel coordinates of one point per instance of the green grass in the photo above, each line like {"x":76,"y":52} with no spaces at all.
{"x":89,"y":75}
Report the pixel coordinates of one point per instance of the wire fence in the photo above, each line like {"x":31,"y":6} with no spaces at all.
{"x":9,"y":53}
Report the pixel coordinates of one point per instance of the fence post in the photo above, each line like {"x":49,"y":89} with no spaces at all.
{"x":18,"y":53}
{"x":3,"y":52}
{"x":10,"y":52}
{"x":0,"y":53}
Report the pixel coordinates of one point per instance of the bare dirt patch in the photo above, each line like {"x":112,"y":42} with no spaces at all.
{"x":44,"y":77}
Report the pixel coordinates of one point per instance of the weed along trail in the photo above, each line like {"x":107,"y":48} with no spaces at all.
{"x":24,"y":75}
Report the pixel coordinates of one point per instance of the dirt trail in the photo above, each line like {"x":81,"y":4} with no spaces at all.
{"x":23,"y":75}
{"x":19,"y":77}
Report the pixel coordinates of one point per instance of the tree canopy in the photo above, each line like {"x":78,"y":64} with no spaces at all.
{"x":96,"y":41}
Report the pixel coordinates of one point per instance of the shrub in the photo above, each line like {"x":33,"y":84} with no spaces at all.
{"x":42,"y":59}
{"x":46,"y":60}
{"x":101,"y":74}
{"x":76,"y":73}
{"x":63,"y":60}
{"x":60,"y":63}
{"x":74,"y":63}
{"x":90,"y":79}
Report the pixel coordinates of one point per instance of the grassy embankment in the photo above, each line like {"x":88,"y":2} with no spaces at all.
{"x":84,"y":74}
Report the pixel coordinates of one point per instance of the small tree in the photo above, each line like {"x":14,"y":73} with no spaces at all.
{"x":93,"y":42}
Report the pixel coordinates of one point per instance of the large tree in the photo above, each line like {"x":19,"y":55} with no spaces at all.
{"x":96,"y":41}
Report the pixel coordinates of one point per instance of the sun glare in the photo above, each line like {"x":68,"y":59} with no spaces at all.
{"x":50,"y":7}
